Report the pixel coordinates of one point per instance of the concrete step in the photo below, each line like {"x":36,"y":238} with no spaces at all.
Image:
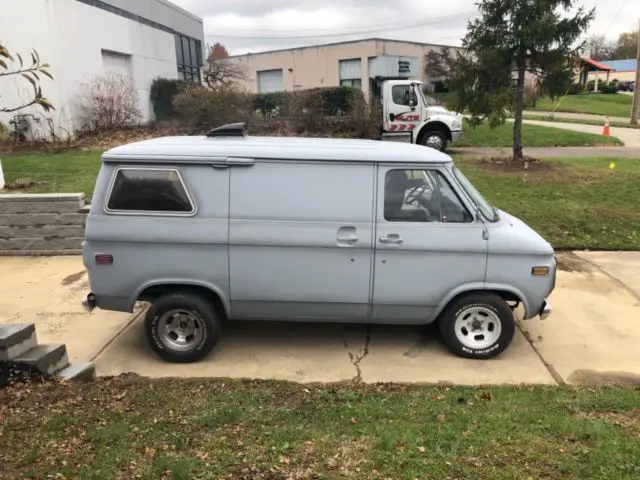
{"x":78,"y":371}
{"x":48,"y":359}
{"x":16,"y":339}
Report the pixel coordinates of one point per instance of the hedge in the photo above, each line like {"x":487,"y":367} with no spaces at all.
{"x":162,"y":93}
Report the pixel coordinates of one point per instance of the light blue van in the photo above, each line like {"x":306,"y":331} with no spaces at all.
{"x":229,"y":226}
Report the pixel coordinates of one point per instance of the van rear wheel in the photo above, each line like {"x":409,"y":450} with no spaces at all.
{"x":478,"y":326}
{"x":182,"y":327}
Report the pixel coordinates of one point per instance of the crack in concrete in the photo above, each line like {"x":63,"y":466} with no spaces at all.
{"x":550,"y":368}
{"x":357,"y":358}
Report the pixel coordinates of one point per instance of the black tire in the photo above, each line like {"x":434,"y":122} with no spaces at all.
{"x":438,"y":135}
{"x":204,"y":314}
{"x":484,"y":301}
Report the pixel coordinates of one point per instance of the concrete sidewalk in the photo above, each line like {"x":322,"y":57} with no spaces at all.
{"x":579,"y":116}
{"x":629,"y":136}
{"x":549,"y":152}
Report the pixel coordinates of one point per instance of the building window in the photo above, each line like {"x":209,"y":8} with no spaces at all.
{"x":149,"y":190}
{"x":351,"y":82}
{"x":350,"y":71}
{"x":188,"y":58}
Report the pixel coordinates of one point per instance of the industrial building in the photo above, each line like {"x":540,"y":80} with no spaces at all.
{"x":79,"y":39}
{"x":351,"y":63}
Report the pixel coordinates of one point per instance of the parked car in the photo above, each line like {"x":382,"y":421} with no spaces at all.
{"x":230,"y":226}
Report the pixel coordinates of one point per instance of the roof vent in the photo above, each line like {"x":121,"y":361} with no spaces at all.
{"x":230,"y":130}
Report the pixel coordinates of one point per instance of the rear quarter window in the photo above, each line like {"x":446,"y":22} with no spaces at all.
{"x":149,"y":191}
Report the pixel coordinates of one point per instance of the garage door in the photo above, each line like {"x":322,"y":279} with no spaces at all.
{"x":117,"y":63}
{"x":270,"y":81}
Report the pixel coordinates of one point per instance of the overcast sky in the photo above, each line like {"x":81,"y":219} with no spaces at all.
{"x":327,"y":20}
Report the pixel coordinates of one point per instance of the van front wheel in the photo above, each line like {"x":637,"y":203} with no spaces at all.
{"x":182,"y":327}
{"x":478,"y":326}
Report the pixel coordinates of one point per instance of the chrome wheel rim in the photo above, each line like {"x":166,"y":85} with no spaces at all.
{"x":180,"y":330}
{"x":434,"y":141}
{"x":478,"y":327}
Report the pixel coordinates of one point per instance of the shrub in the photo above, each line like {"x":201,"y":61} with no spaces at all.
{"x":270,"y":105}
{"x":162,"y":93}
{"x":576,"y":89}
{"x":108,"y":102}
{"x":611,"y":88}
{"x":201,"y":107}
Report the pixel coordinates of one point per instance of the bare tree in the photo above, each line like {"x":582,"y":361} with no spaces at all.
{"x":29,"y":73}
{"x":437,"y":63}
{"x":108,"y":102}
{"x":599,"y":48}
{"x":220,"y":69}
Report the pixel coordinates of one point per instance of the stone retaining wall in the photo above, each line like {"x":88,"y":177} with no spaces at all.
{"x":42,"y":224}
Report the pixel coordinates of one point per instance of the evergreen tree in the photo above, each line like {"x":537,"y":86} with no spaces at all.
{"x":510,"y":39}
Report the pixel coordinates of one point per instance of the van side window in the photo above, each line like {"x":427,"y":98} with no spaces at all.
{"x":422,"y":196}
{"x":149,"y":190}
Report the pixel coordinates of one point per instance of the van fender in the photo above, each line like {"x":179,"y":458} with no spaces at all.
{"x":186,"y":282}
{"x":480,"y":287}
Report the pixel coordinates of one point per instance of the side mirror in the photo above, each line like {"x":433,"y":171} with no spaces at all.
{"x":413,"y":98}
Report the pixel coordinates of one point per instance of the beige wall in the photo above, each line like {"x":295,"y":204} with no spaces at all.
{"x":318,"y":66}
{"x":629,"y":76}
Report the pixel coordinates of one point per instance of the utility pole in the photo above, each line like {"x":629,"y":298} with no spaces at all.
{"x":636,"y":90}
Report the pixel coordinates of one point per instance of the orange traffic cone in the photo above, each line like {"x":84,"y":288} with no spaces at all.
{"x":607,"y":130}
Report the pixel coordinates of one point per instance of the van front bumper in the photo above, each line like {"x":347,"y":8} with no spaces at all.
{"x":455,"y":136}
{"x":545,"y":310}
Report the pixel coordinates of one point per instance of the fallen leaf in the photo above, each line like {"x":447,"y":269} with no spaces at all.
{"x":421,"y":449}
{"x":149,"y":452}
{"x":354,"y":421}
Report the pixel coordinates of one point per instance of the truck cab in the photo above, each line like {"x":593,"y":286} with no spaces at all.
{"x":407,"y":115}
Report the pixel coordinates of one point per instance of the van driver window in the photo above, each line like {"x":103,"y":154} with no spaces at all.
{"x":422,"y":196}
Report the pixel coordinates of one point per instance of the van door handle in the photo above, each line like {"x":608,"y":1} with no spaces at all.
{"x":392,"y":239}
{"x":347,"y":236}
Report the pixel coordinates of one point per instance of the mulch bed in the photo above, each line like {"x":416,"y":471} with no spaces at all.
{"x":12,"y":374}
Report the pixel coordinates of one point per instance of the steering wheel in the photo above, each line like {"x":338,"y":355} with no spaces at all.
{"x":415,"y":193}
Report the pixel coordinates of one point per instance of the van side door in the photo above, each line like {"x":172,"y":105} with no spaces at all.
{"x":428,"y":243}
{"x":300,"y":240}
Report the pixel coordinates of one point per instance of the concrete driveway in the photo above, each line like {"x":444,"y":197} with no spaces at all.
{"x":47,"y":291}
{"x":592,"y":336}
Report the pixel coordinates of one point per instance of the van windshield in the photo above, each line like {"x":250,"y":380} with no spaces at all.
{"x":487,"y":210}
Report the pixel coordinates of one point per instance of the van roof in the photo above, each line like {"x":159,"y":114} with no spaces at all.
{"x":202,"y":149}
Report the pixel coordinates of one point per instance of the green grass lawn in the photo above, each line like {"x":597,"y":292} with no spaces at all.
{"x":615,"y":105}
{"x":215,"y":429}
{"x":575,"y":203}
{"x":532,"y":136}
{"x":68,"y":172}
{"x":583,"y":121}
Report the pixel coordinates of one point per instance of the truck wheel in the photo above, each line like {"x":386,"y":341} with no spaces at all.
{"x":182,"y":327}
{"x":478,"y":326}
{"x":435,"y":139}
